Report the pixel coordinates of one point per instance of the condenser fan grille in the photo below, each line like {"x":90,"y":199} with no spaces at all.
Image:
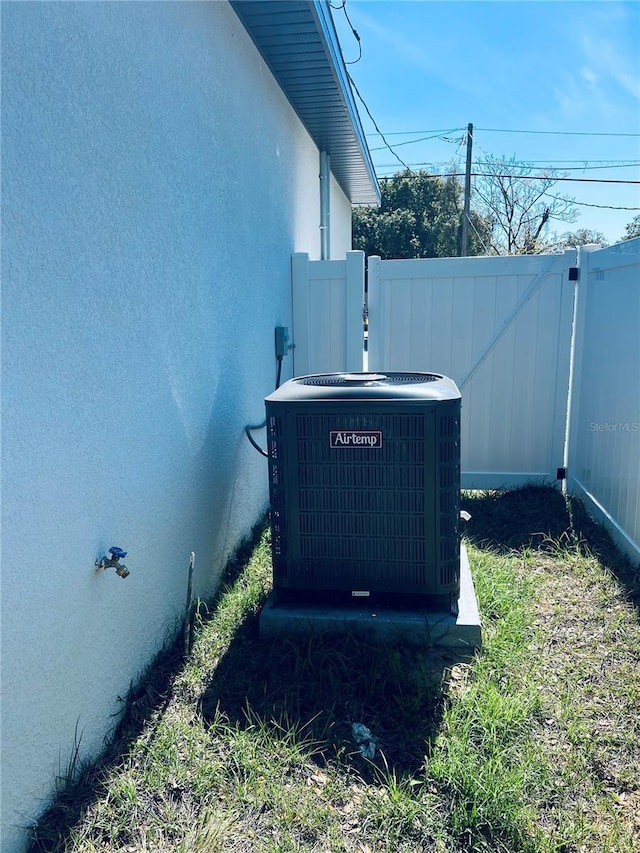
{"x":368,"y":379}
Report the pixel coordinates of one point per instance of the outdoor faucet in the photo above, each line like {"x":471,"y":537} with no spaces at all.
{"x":113,"y":562}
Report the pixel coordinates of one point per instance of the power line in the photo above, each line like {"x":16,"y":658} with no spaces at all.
{"x":409,"y":132}
{"x":356,"y":35}
{"x":627,"y":161}
{"x":478,"y":235}
{"x":591,"y":168}
{"x":550,"y":167}
{"x":554,"y":178}
{"x":557,"y":132}
{"x":524,"y":177}
{"x":510,"y":130}
{"x":588,"y":204}
{"x":520,"y":178}
{"x":437,"y":134}
{"x":380,"y":133}
{"x":427,"y":138}
{"x":468,"y":174}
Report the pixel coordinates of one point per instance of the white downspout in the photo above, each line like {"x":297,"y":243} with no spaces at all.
{"x":325,"y":206}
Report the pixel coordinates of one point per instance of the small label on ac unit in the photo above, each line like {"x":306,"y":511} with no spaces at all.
{"x":355,"y":438}
{"x":360,"y":593}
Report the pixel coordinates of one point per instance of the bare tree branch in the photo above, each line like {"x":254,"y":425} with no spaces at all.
{"x":519,"y":210}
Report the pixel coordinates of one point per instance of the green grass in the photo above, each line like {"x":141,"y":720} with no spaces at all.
{"x":532,"y":745}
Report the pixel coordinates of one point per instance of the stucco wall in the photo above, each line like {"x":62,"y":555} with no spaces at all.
{"x":155,"y":183}
{"x":339,"y":222}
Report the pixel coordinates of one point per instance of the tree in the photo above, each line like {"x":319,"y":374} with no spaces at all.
{"x":419,"y":217}
{"x":581,"y":237}
{"x":519,"y":208}
{"x":632,"y":229}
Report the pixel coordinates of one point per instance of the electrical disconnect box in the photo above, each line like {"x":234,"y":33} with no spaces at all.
{"x":282,"y":341}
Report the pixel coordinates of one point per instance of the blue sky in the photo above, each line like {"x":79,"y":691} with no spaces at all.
{"x":527,"y":66}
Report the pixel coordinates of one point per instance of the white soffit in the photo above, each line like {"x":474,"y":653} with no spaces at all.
{"x":298,"y":41}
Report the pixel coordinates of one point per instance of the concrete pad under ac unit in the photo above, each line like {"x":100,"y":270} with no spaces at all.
{"x":419,"y":626}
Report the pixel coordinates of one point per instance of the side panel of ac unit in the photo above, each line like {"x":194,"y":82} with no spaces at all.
{"x":379,"y":517}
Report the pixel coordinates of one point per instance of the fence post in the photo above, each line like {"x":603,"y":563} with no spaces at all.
{"x":374,"y":324}
{"x":300,"y":312}
{"x":575,"y":362}
{"x":354,"y":303}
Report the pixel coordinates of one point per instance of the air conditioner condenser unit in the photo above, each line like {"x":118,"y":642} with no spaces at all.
{"x":364,"y":480}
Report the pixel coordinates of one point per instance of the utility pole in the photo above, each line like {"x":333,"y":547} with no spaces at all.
{"x":464,"y":238}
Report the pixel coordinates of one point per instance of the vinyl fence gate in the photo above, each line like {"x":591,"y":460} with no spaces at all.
{"x":500,"y":327}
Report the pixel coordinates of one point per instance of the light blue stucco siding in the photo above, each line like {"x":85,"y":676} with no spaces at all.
{"x":155,"y":183}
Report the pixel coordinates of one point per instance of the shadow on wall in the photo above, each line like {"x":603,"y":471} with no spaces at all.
{"x":541,"y":518}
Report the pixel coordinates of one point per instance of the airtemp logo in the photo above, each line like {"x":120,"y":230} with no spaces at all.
{"x":355,"y":438}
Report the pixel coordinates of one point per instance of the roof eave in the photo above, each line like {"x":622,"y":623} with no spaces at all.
{"x":318,"y":90}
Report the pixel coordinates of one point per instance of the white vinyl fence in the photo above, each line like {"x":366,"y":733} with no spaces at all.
{"x":604,"y":446}
{"x":503,"y":329}
{"x":327,"y":314}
